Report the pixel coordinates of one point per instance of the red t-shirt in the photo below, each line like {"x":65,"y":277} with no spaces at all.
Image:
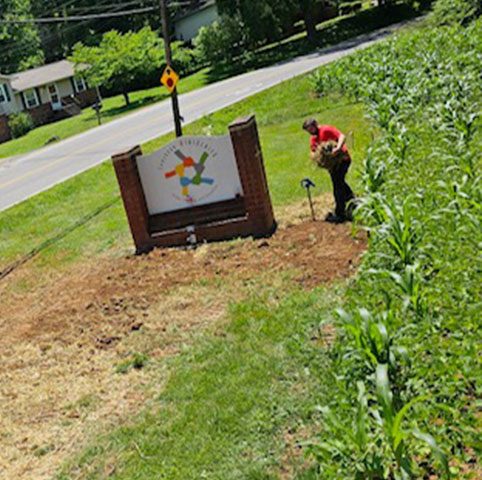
{"x":326,"y":133}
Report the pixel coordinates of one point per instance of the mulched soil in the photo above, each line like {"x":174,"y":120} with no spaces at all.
{"x":104,"y":299}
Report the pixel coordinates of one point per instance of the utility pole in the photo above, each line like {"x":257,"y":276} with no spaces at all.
{"x":167,"y":47}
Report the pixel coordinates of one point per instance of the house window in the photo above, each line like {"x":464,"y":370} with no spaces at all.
{"x":31,"y":99}
{"x":4,"y":96}
{"x":79,"y":83}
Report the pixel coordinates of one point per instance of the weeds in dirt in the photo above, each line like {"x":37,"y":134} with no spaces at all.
{"x":136,"y":361}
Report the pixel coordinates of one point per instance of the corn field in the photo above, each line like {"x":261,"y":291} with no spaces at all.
{"x":406,"y":365}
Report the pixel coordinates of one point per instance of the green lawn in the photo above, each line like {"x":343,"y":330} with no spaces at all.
{"x":233,"y":405}
{"x":279,"y":111}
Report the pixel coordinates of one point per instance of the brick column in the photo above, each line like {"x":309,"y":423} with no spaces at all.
{"x":125,"y":167}
{"x":245,"y":138}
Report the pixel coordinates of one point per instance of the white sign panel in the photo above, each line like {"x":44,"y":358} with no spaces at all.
{"x":190,"y":171}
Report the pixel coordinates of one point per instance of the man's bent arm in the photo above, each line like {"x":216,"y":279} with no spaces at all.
{"x":341,"y":141}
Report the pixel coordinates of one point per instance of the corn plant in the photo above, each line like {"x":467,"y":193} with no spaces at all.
{"x":411,"y":339}
{"x":409,"y":283}
{"x":370,"y":335}
{"x":373,"y":173}
{"x":373,"y":444}
{"x":351,"y":444}
{"x":392,"y":420}
{"x":399,"y":230}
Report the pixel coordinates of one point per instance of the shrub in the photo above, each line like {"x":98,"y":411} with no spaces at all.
{"x":447,"y":12}
{"x":20,"y":124}
{"x":221,"y":41}
{"x":186,"y":60}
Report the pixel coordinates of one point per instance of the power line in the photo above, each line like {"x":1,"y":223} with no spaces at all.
{"x":51,"y":36}
{"x":101,"y":6}
{"x":76,"y":18}
{"x":12,"y":47}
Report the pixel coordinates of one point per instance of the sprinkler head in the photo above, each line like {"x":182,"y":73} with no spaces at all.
{"x":307,"y":183}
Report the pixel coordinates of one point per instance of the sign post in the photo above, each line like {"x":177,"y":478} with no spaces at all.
{"x":167,"y":47}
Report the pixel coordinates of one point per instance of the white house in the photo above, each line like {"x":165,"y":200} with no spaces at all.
{"x":188,"y":23}
{"x":48,"y":93}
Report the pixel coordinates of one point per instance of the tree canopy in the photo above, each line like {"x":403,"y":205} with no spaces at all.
{"x":19,"y":43}
{"x":119,"y":60}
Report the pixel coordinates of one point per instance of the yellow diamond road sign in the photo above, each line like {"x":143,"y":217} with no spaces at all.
{"x":169,"y":79}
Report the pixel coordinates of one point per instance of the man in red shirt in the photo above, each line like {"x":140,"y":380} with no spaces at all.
{"x":341,"y":190}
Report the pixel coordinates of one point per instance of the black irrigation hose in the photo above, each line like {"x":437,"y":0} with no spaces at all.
{"x":21,"y":261}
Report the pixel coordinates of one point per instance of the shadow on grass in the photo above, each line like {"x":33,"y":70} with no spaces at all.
{"x":134,"y":105}
{"x":331,"y":32}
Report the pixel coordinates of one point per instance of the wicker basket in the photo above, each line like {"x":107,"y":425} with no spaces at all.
{"x":323,"y":155}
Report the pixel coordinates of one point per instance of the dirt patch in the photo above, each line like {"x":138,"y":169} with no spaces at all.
{"x":60,"y":342}
{"x":293,"y":459}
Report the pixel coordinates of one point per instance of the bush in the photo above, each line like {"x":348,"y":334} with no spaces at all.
{"x":20,"y":124}
{"x":448,"y":12}
{"x":186,"y":60}
{"x":221,"y":41}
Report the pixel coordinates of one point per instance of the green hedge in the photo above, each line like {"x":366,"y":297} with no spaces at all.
{"x":20,"y":124}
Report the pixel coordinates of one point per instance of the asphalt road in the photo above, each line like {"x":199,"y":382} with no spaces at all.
{"x":24,"y":176}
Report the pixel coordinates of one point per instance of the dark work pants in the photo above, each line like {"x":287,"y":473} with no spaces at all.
{"x":341,"y":189}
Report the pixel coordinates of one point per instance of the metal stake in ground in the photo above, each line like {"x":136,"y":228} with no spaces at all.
{"x":167,"y":47}
{"x":307,"y":183}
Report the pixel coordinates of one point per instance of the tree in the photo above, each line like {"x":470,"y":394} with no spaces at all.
{"x":120,"y":60}
{"x":58,"y":38}
{"x":19,"y":43}
{"x":309,"y":16}
{"x":221,"y":40}
{"x":263,"y":20}
{"x":268,"y":20}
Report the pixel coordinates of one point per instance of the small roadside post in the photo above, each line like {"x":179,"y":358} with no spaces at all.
{"x":169,"y":75}
{"x":97,"y":107}
{"x":308,"y":184}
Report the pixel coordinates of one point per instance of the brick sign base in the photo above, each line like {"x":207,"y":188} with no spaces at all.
{"x":247,"y":215}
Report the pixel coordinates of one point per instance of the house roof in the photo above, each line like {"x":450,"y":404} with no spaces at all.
{"x":194,"y":11}
{"x":41,"y":75}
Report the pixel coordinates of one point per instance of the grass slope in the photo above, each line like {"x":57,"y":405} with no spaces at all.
{"x":279,"y":112}
{"x":233,"y":402}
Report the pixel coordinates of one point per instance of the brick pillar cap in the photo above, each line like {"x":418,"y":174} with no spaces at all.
{"x":242,"y":121}
{"x":133,"y":151}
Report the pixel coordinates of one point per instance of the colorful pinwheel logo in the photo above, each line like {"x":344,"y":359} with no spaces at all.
{"x":181,"y":171}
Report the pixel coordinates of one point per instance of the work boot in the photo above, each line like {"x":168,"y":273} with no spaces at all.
{"x":332,"y":218}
